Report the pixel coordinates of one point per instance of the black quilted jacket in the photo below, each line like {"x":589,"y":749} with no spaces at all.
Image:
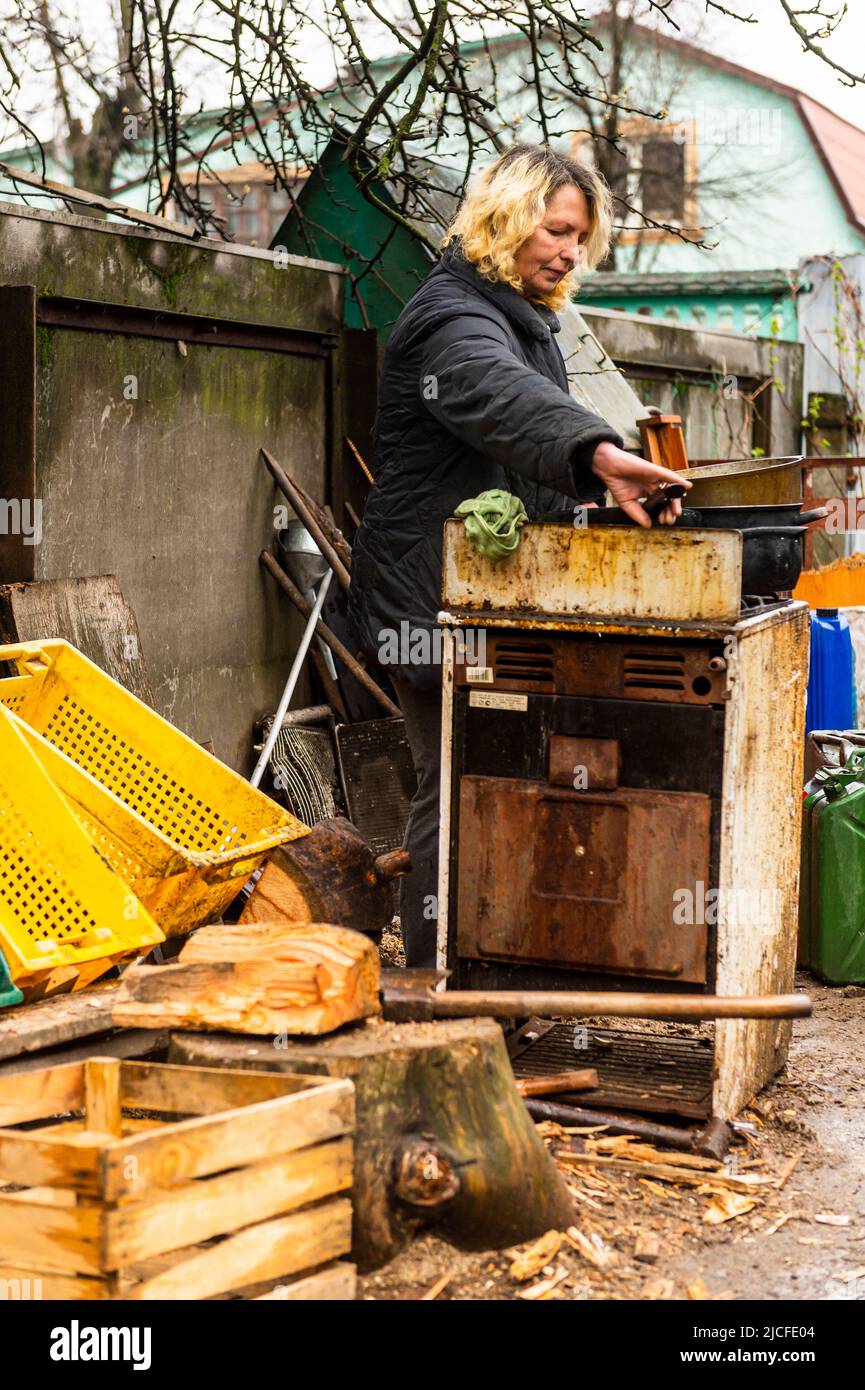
{"x":473,"y":395}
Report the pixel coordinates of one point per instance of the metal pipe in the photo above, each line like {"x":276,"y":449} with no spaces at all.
{"x":670,"y":1135}
{"x":290,"y":491}
{"x":344,"y":655}
{"x":293,"y":677}
{"x":505,"y":1003}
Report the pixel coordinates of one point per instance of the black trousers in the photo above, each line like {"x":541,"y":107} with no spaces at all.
{"x":418,"y":890}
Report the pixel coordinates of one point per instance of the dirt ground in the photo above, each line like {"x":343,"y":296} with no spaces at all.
{"x":784,"y":1218}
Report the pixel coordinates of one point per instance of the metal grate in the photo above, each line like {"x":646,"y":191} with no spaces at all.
{"x":654,"y":671}
{"x":657,"y":1072}
{"x":525,"y":661}
{"x":379,"y":779}
{"x":304,"y":772}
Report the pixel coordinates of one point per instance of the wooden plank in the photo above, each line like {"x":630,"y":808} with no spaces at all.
{"x":266,"y":1251}
{"x":46,"y":1196}
{"x":70,"y":194}
{"x":197,"y":1147}
{"x":165,"y":1086}
{"x":221,"y":1204}
{"x":102,"y":1095}
{"x":337,"y":1283}
{"x":51,"y":1022}
{"x":138,"y":1042}
{"x":19,"y":1281}
{"x":48,"y":1236}
{"x":36,"y":1095}
{"x":91,"y":613}
{"x":35,"y":1161}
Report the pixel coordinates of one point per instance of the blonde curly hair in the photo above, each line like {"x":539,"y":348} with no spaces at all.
{"x":509,"y":200}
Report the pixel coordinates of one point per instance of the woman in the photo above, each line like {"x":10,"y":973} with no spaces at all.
{"x":474,"y":395}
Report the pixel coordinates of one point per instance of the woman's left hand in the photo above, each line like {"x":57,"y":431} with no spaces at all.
{"x":629,"y":478}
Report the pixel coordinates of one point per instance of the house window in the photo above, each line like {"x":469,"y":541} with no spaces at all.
{"x":698,"y":313}
{"x":662,"y":180}
{"x":250,"y":209}
{"x":752,"y":316}
{"x":725,"y":317}
{"x":653,"y":170}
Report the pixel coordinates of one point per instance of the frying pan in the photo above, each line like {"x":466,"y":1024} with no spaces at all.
{"x":745,"y":482}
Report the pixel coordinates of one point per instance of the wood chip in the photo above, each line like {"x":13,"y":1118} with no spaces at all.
{"x":746,"y":1182}
{"x":725,"y":1206}
{"x":647,"y":1248}
{"x":545,"y":1287}
{"x":437,"y":1288}
{"x":584,"y":1197}
{"x":591,"y":1248}
{"x":787,"y":1170}
{"x":826,"y":1218}
{"x":657,"y":1189}
{"x":848,"y":1278}
{"x":659,"y":1289}
{"x":776,"y":1225}
{"x":700,"y":1293}
{"x":628,"y":1146}
{"x":528,"y":1263}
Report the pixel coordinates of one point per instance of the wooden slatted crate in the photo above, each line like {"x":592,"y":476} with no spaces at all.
{"x":137,"y":1180}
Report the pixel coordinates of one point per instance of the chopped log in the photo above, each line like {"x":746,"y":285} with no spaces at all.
{"x":331,"y":875}
{"x":265,"y":977}
{"x":443,"y":1140}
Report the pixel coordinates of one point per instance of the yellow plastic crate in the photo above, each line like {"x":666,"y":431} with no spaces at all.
{"x":61,"y":905}
{"x":181,"y":829}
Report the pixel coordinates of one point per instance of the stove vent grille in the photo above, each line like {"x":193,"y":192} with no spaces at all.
{"x":526,"y":661}
{"x":646,"y":670}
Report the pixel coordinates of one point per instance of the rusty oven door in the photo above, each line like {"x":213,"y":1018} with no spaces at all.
{"x":582,"y":879}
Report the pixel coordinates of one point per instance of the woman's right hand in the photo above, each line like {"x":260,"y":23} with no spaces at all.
{"x":628,"y":478}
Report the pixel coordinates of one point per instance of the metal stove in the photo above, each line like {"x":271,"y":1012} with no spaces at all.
{"x":621,"y":795}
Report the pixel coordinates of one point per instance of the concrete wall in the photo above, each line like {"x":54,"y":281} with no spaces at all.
{"x":144,"y":451}
{"x":708,"y":378}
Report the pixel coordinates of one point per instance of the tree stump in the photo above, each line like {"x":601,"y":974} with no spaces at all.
{"x":443,"y":1140}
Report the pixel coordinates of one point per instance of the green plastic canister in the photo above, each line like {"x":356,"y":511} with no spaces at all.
{"x":832,"y":923}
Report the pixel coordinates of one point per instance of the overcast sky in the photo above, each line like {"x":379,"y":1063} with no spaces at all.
{"x":768,"y":46}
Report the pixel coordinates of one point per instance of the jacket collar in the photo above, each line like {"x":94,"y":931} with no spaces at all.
{"x":536,"y":319}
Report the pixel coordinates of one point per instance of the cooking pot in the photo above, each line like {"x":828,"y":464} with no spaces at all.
{"x":771,"y":535}
{"x":745,"y":482}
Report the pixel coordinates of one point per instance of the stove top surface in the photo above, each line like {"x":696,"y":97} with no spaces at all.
{"x":763,"y":603}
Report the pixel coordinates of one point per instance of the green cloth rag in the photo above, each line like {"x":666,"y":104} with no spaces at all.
{"x":492,"y":521}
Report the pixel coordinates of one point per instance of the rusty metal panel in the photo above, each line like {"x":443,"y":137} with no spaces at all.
{"x":604,"y":570}
{"x":584,"y":764}
{"x":637,"y":668}
{"x":581,"y":879}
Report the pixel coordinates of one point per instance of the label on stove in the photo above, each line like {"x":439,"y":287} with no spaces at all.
{"x":492,"y":699}
{"x":479,"y":675}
